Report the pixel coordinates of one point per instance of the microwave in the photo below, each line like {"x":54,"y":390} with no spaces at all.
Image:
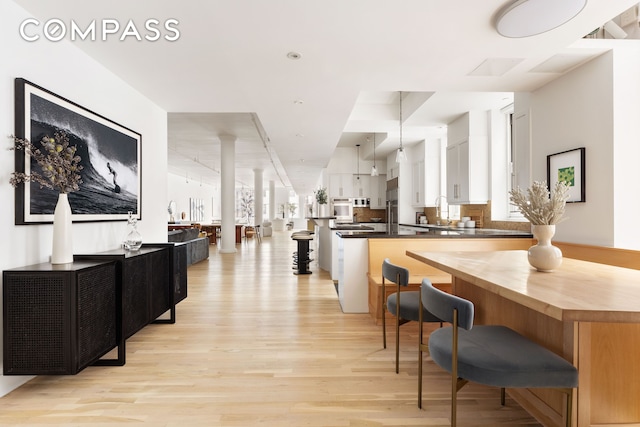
{"x":342,"y":210}
{"x":361,"y":202}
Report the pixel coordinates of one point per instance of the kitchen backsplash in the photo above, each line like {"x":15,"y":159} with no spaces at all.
{"x":486,"y":218}
{"x":365,"y":214}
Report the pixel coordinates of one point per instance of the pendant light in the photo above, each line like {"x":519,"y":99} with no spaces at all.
{"x":401,"y":156}
{"x":374,"y":169}
{"x":358,"y":163}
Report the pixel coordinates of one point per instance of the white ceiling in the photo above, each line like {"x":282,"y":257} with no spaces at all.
{"x":229,"y":73}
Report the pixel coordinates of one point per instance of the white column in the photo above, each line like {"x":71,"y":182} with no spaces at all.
{"x":259,"y":195}
{"x":272,"y":200}
{"x":228,"y":194}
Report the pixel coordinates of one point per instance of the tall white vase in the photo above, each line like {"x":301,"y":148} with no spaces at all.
{"x":544,"y":256}
{"x":62,"y":250}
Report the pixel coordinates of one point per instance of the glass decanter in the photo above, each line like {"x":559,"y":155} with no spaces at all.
{"x":133,"y":240}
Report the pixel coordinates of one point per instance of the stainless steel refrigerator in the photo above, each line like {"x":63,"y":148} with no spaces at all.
{"x":392,"y":206}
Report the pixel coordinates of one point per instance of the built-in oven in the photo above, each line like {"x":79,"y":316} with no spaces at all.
{"x":342,"y":210}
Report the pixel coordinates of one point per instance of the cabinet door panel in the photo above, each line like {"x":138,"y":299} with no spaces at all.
{"x":452,"y":173}
{"x":463,"y":171}
{"x":96,"y":299}
{"x":135,"y":295}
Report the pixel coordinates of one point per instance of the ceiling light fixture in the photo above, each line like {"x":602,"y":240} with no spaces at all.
{"x":358,"y":163}
{"x":525,"y":18}
{"x":401,"y":156}
{"x":374,"y":169}
{"x":294,"y":55}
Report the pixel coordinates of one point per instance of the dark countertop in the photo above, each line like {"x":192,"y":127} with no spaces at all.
{"x":436,"y":231}
{"x":352,"y":227}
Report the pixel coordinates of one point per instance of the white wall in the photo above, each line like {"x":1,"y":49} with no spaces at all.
{"x":180,"y":192}
{"x":65,"y":70}
{"x":585,"y":108}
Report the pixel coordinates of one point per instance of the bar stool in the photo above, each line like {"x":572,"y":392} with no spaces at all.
{"x":301,"y":258}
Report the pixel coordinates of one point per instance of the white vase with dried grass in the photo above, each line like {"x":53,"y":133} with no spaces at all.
{"x":544,"y":210}
{"x":60,"y":171}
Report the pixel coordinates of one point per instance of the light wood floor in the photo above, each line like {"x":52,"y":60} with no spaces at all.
{"x":255,"y":345}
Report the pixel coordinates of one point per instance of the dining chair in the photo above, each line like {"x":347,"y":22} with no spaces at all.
{"x":492,"y":355}
{"x":404,"y":305}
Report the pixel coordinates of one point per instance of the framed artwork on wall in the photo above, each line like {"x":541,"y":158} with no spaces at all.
{"x":110,"y":156}
{"x":196,"y":209}
{"x":568,"y":166}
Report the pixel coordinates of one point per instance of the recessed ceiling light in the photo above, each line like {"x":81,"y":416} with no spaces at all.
{"x":525,"y":18}
{"x":294,"y":55}
{"x":298,"y":102}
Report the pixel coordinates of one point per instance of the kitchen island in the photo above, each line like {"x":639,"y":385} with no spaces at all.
{"x":587,"y":312}
{"x":323,"y":242}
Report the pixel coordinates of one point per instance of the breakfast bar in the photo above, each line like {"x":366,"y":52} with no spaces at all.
{"x":587,"y":312}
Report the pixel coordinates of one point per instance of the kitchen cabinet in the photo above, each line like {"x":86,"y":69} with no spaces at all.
{"x":467,"y":172}
{"x":393,"y":170}
{"x":425,"y":181}
{"x":341,"y":185}
{"x":362,"y":185}
{"x":417,"y":184}
{"x":378,"y":197}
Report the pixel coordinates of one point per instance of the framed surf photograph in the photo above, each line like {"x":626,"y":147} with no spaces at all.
{"x":110,"y":156}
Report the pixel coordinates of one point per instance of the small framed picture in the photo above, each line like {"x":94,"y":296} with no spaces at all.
{"x":568,"y":166}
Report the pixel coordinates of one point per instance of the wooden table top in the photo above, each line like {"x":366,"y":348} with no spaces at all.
{"x":577,"y":291}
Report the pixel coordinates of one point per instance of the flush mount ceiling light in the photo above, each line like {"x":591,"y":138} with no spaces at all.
{"x":525,"y":18}
{"x":294,"y":55}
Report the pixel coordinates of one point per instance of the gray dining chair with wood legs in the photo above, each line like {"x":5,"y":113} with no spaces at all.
{"x":404,"y":305}
{"x":492,"y":355}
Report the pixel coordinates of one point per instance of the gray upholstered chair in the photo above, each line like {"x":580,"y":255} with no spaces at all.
{"x":404,"y":306}
{"x":492,"y":355}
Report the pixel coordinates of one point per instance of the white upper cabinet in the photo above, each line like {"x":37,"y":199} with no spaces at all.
{"x":417,"y":183}
{"x":378,"y":192}
{"x":468,"y":160}
{"x":426,"y":173}
{"x":362,"y":185}
{"x":341,"y":185}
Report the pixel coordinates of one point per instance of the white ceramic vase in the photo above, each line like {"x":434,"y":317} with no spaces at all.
{"x":544,"y":256}
{"x":323,"y":210}
{"x":62,"y":249}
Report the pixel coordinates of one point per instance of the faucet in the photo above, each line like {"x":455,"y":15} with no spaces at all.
{"x":439,"y":209}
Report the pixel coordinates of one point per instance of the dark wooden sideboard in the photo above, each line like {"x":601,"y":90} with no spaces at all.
{"x":137,"y":288}
{"x":58,"y":320}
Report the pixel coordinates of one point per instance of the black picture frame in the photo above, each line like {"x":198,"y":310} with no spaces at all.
{"x":570,"y":166}
{"x":110,"y":155}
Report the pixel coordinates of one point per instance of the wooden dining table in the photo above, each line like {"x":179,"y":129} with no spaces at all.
{"x":587,"y":312}
{"x":214,"y":229}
